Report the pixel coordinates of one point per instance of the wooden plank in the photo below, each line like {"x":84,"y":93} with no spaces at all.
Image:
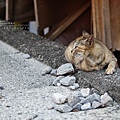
{"x":20,"y":10}
{"x":101,"y":21}
{"x":9,"y":10}
{"x":94,"y":17}
{"x":115,"y":23}
{"x":66,"y":22}
{"x":107,"y":24}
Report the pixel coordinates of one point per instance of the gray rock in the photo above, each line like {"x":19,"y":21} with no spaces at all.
{"x":91,"y":98}
{"x":58,"y":84}
{"x":51,"y":106}
{"x":96,"y":104}
{"x":57,"y":80}
{"x":64,"y":108}
{"x":59,"y":98}
{"x":65,"y":69}
{"x":97,"y":97}
{"x":68,"y":81}
{"x":73,"y":98}
{"x":77,"y":106}
{"x":26,"y":56}
{"x":47,"y":70}
{"x":54,"y":72}
{"x":86,"y":106}
{"x":106,"y":100}
{"x":85,"y":92}
{"x":74,"y":87}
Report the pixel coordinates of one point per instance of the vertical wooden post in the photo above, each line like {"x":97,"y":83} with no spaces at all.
{"x":9,"y":9}
{"x":101,"y":21}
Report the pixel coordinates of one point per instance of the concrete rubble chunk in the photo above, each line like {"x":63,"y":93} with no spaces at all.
{"x":59,"y":98}
{"x":57,"y":80}
{"x":96,"y":104}
{"x":68,"y":80}
{"x":54,"y":72}
{"x":74,"y":86}
{"x":85,"y":92}
{"x":86,"y":106}
{"x":73,"y":98}
{"x":91,"y":98}
{"x":47,"y":70}
{"x":106,"y":100}
{"x":77,"y":106}
{"x":65,"y":69}
{"x":97,"y":97}
{"x":26,"y":56}
{"x":58,"y":84}
{"x":64,"y":108}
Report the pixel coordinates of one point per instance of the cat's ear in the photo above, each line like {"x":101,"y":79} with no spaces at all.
{"x":85,"y":33}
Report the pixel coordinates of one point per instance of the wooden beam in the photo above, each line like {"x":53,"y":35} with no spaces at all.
{"x":20,"y":10}
{"x":9,"y":9}
{"x":66,"y":22}
{"x":94,"y":17}
{"x":107,"y":23}
{"x":101,"y":21}
{"x":115,"y":23}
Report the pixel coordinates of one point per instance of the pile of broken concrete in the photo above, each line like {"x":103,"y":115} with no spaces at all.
{"x":80,"y":98}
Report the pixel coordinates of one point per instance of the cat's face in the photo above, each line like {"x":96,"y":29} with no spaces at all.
{"x":83,"y":43}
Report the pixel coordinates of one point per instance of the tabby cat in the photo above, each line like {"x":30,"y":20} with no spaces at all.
{"x":88,"y":54}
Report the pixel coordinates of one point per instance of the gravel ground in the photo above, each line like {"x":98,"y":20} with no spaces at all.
{"x":38,"y":47}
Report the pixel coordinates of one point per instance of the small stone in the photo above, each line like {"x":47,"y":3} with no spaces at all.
{"x":50,"y":107}
{"x":91,"y":98}
{"x":26,"y":56}
{"x":86,"y":106}
{"x":77,"y":106}
{"x":59,"y":98}
{"x":73,"y":98}
{"x":68,"y":81}
{"x":74,"y":87}
{"x":97,"y":97}
{"x":57,"y":80}
{"x":106,"y":100}
{"x":85,"y":92}
{"x":64,"y":108}
{"x":96,"y":104}
{"x":32,"y":117}
{"x":53,"y":72}
{"x":47,"y":70}
{"x":58,"y":84}
{"x":65,"y":69}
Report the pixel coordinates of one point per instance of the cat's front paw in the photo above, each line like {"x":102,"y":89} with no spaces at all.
{"x":110,"y":70}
